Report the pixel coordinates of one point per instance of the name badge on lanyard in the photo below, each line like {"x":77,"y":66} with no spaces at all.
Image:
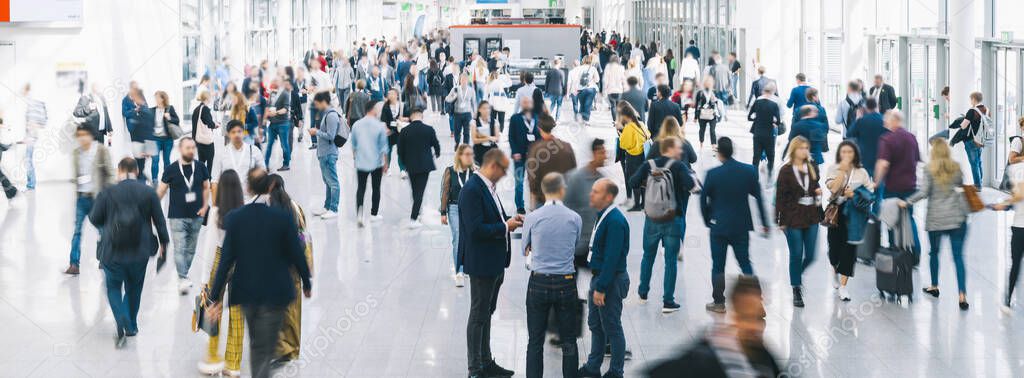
{"x":530,"y":136}
{"x":805,"y":183}
{"x":190,"y":196}
{"x":593,"y":234}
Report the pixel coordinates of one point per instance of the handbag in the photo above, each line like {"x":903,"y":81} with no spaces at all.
{"x":974,"y":203}
{"x":780,"y":128}
{"x":175,"y":131}
{"x":831,"y":218}
{"x":200,"y":319}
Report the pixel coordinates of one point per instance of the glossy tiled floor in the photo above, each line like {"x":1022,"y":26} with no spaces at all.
{"x":384,"y":303}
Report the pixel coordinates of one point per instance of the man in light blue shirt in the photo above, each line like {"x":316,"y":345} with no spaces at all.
{"x":549,"y":236}
{"x":369,"y":148}
{"x":327,"y":152}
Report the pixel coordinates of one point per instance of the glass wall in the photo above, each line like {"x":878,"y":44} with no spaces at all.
{"x":300,"y":27}
{"x":329,"y":23}
{"x":261,"y":39}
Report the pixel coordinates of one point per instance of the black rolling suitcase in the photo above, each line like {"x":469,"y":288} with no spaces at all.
{"x":894,"y":273}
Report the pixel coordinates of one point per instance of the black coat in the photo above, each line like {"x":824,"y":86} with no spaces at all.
{"x":483,"y":248}
{"x":764,"y":114}
{"x":118,"y":197}
{"x":262,"y":245}
{"x":660,"y":110}
{"x":886,"y":96}
{"x":415,"y":143}
{"x":702,"y":361}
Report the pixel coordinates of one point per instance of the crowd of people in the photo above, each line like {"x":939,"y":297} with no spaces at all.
{"x":567,"y":215}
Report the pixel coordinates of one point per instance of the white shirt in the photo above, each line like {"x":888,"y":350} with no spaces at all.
{"x":494,"y":194}
{"x":240,"y":160}
{"x":85,"y":159}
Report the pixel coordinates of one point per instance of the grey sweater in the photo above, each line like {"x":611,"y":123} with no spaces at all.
{"x":947,"y":208}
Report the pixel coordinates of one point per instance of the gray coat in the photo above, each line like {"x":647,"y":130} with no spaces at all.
{"x":638,"y":100}
{"x":947,"y":207}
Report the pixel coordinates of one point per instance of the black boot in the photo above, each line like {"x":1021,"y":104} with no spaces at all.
{"x":798,"y":298}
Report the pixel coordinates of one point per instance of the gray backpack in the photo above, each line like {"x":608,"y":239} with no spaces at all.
{"x":660,"y":193}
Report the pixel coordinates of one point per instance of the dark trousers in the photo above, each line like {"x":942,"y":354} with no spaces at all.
{"x":613,"y":102}
{"x":264,"y":323}
{"x":546,"y":293}
{"x":633,"y":164}
{"x":483,"y":299}
{"x":461,"y":131}
{"x":418,"y":181}
{"x":9,"y":190}
{"x":361,"y":189}
{"x":1016,"y":252}
{"x":141,"y":163}
{"x":206,"y":156}
{"x":707,"y":125}
{"x":764,"y":146}
{"x":124,"y":292}
{"x":720,"y":243}
{"x":605,"y":324}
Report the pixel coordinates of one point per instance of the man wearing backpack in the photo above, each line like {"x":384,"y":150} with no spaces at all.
{"x":330,"y":129}
{"x":851,"y":108}
{"x":126,"y":214}
{"x":975,"y":130}
{"x":668,"y":184}
{"x":586,"y":79}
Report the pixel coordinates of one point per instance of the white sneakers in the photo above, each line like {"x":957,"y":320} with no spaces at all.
{"x":329,"y":215}
{"x":376,"y":218}
{"x":211,"y":368}
{"x":404,"y":175}
{"x":415,"y":224}
{"x":319,"y":212}
{"x":844,"y":295}
{"x":184,"y":285}
{"x":460,"y":279}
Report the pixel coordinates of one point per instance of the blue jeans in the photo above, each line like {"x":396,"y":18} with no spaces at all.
{"x":281,"y":131}
{"x":605,"y":323}
{"x":974,"y":159}
{"x":461,"y":127}
{"x":913,"y":222}
{"x":956,"y":243}
{"x":575,"y":104}
{"x":668,"y":235}
{"x":329,"y":173}
{"x":82,"y":208}
{"x":184,"y":235}
{"x":520,"y":171}
{"x":30,"y":166}
{"x":720,"y":243}
{"x":163,"y":148}
{"x":556,"y":104}
{"x":453,"y":224}
{"x":545,"y":293}
{"x":803,"y":243}
{"x":586,"y":97}
{"x":124,"y":292}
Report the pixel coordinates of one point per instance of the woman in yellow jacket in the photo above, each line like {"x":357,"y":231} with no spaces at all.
{"x":633,"y":135}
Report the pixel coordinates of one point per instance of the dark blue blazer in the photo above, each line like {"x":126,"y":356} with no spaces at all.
{"x":402,"y":69}
{"x":723,"y":202}
{"x":815,"y":132}
{"x":517,"y":140}
{"x":661,"y":109}
{"x":866,"y":132}
{"x":611,"y":246}
{"x":262,"y":244}
{"x":484,"y":248}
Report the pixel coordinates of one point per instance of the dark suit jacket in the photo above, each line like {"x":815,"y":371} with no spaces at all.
{"x":701,"y":360}
{"x":886,"y":96}
{"x":635,"y":97}
{"x":120,"y":196}
{"x":484,"y":248}
{"x":765,"y":115}
{"x":261,"y":244}
{"x":92,"y":117}
{"x":723,"y":202}
{"x":415,"y":143}
{"x":866,"y":132}
{"x":517,"y":140}
{"x":660,"y":110}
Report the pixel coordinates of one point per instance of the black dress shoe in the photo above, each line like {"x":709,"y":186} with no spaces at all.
{"x":584,"y":373}
{"x":493,"y":370}
{"x":121,"y":339}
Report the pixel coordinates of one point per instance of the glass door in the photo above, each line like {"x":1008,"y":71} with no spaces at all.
{"x":1006,"y":103}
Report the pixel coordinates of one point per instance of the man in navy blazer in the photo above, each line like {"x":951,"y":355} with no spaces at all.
{"x":726,"y":211}
{"x":523,"y":131}
{"x":662,"y":108}
{"x":484,"y":253}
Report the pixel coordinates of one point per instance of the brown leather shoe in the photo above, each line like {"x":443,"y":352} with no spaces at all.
{"x":72,"y":270}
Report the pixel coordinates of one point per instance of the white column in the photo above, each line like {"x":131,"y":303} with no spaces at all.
{"x":855,"y":48}
{"x":961,"y":53}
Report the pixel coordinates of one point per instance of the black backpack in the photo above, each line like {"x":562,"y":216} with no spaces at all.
{"x":855,"y":111}
{"x":339,"y":141}
{"x":125,"y":226}
{"x":585,"y":78}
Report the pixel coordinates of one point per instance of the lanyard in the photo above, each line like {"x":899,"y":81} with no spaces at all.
{"x":188,"y":181}
{"x":234,"y":157}
{"x":805,"y":182}
{"x":593,"y":234}
{"x":462,"y":181}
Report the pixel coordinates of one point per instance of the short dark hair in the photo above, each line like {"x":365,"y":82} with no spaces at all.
{"x":492,"y":156}
{"x":128,"y":165}
{"x":692,"y":41}
{"x":871,"y":103}
{"x":745,"y":285}
{"x":664,"y":91}
{"x":801,"y":77}
{"x":528,"y":78}
{"x":725,"y":147}
{"x":632,"y":81}
{"x":86,"y":129}
{"x":547,"y":123}
{"x":597,"y":144}
{"x":322,"y":97}
{"x":232,"y":124}
{"x":370,"y":105}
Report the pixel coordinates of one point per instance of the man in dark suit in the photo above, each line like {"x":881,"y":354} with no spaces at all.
{"x":635,"y":97}
{"x":93,"y":108}
{"x":261,"y":245}
{"x":484,"y":252}
{"x":125,"y":215}
{"x":884,"y":93}
{"x":523,"y":131}
{"x":866,"y":132}
{"x":415,"y":143}
{"x":726,"y":211}
{"x":663,"y":108}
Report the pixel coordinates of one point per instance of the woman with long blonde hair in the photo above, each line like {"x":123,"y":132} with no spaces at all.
{"x":798,"y":211}
{"x":942,"y":184}
{"x":670,"y":129}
